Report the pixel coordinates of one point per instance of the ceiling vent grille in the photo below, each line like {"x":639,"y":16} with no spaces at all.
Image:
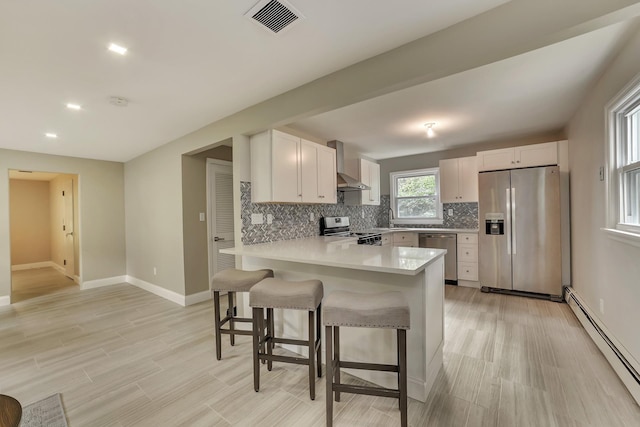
{"x":274,"y":15}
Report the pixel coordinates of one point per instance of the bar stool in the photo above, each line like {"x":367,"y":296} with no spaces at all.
{"x":387,"y":310}
{"x":275,"y":293}
{"x":232,"y":281}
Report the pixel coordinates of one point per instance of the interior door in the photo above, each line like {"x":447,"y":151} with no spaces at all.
{"x":221,"y":221}
{"x":68,"y":229}
{"x":537,"y":255}
{"x":494,"y":250}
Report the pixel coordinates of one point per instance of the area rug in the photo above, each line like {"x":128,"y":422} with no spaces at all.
{"x":47,"y":412}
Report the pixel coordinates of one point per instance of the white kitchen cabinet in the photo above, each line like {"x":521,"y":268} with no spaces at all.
{"x":407,"y":239}
{"x":459,"y":180}
{"x":386,"y":239}
{"x":317,"y":173}
{"x":288,"y":169}
{"x":518,"y":157}
{"x":369,"y":174}
{"x":467,"y":251}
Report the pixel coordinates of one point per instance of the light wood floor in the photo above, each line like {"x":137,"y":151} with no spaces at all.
{"x":26,"y":284}
{"x":123,"y":357}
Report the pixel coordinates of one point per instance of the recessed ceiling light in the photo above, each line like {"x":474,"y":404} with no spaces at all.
{"x":117,"y":49}
{"x":74,"y":107}
{"x":51,"y":135}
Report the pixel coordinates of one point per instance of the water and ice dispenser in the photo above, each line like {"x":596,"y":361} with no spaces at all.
{"x":494,"y":223}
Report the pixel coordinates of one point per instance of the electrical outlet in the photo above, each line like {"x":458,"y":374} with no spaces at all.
{"x":257,"y":219}
{"x":202,"y":216}
{"x":362,"y":213}
{"x":154,"y":271}
{"x":601,"y":173}
{"x":450,"y":212}
{"x":311,"y":216}
{"x":269,"y":218}
{"x":601,"y":306}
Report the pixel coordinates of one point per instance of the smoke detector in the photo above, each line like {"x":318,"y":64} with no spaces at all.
{"x":276,"y":16}
{"x":118,"y":101}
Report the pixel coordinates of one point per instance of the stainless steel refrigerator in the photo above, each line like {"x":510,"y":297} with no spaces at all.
{"x":520,"y":237}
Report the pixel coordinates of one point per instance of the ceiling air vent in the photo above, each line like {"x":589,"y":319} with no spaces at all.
{"x":274,"y":15}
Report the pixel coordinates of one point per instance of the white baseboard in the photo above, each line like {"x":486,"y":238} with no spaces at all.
{"x":197,"y":298}
{"x":157,"y":290}
{"x":32,"y":265}
{"x":6,"y":300}
{"x":622,"y":362}
{"x":91,"y":284}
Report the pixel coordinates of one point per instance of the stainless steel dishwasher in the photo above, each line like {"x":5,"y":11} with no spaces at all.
{"x":446,"y":241}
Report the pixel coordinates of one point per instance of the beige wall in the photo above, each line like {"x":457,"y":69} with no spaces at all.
{"x":431,"y":160}
{"x":153,"y":192}
{"x":101,"y":211}
{"x":30,"y":227}
{"x":602,"y":268}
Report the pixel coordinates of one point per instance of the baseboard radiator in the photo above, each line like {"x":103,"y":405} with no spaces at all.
{"x":625,"y":366}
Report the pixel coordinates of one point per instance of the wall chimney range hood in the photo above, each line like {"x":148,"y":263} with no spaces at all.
{"x":345,"y":181}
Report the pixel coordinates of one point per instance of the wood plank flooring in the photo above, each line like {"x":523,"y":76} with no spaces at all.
{"x":123,"y":357}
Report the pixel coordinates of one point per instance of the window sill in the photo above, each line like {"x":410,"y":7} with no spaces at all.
{"x":418,"y":221}
{"x":627,"y":237}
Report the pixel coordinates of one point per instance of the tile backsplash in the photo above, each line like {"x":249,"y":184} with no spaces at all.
{"x":295,"y":221}
{"x":465,"y":215}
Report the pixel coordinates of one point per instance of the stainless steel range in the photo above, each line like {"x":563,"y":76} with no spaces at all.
{"x":338,"y":226}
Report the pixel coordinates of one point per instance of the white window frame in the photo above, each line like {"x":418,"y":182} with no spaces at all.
{"x":616,"y":112}
{"x":393,"y":176}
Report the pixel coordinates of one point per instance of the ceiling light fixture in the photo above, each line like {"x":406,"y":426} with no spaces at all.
{"x":430,"y":132}
{"x":51,"y":135}
{"x":74,"y":107}
{"x":117,"y":49}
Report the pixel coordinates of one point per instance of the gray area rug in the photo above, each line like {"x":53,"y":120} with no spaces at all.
{"x":47,"y":412}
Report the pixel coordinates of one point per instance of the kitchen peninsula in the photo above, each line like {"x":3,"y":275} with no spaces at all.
{"x":341,"y":264}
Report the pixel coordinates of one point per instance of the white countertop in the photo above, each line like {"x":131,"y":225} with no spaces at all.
{"x":344,"y":253}
{"x":427,"y":230}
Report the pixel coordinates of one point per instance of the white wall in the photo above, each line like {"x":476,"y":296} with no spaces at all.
{"x":101,"y":211}
{"x":601,"y":267}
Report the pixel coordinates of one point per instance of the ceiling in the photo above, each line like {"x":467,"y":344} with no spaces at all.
{"x":522,"y":96}
{"x":189,"y":63}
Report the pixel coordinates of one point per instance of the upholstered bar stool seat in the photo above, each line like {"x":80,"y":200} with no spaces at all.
{"x":387,"y":310}
{"x":232,"y":281}
{"x":275,"y":293}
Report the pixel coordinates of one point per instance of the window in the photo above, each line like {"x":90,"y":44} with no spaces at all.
{"x":623,"y":116}
{"x":415,"y":197}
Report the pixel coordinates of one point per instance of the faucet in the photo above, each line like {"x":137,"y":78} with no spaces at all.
{"x":391,"y":217}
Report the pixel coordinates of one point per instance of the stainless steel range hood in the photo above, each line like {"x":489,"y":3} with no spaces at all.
{"x":345,"y":182}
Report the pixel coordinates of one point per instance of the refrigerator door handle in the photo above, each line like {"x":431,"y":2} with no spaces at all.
{"x":508,"y":221}
{"x":513,"y":216}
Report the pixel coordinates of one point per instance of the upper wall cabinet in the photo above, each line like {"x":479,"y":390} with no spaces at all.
{"x":459,"y":180}
{"x":369,"y":174}
{"x":519,"y":157}
{"x":288,"y":169}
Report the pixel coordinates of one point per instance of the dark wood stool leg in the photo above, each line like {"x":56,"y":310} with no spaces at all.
{"x":336,"y":358}
{"x":216,"y":316}
{"x":312,"y":345}
{"x":329,"y":375}
{"x":402,"y":372}
{"x":319,"y":338}
{"x":270,"y":335}
{"x":232,"y":337}
{"x":257,"y":334}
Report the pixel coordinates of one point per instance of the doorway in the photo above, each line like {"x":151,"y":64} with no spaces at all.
{"x":220,"y":230}
{"x":43,"y":208}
